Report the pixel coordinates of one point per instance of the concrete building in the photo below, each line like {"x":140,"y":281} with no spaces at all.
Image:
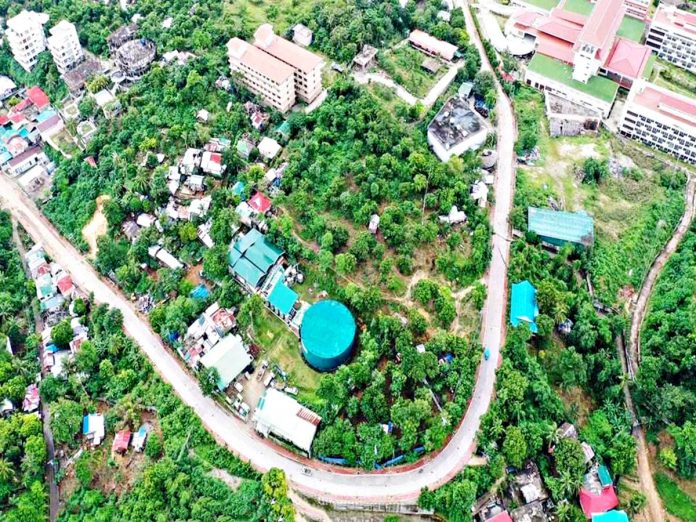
{"x":456,"y":129}
{"x":302,"y":35}
{"x":280,"y":415}
{"x":134,"y":57}
{"x":64,"y":45}
{"x":661,"y":119}
{"x":672,"y":34}
{"x":306,"y":65}
{"x":264,"y":75}
{"x":639,"y":9}
{"x":26,"y":37}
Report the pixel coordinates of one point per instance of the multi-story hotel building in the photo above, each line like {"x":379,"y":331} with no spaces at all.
{"x":307,"y":65}
{"x":26,"y":37}
{"x":64,"y":45}
{"x":661,"y":119}
{"x":264,"y":75}
{"x":672,"y":34}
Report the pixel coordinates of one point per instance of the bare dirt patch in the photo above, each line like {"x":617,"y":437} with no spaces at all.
{"x":96,"y":227}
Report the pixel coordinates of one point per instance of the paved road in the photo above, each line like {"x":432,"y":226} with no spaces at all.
{"x":324,"y":482}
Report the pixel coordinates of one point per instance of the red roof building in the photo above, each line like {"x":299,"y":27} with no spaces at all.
{"x":65,"y":285}
{"x":260,"y":203}
{"x":598,"y":503}
{"x":38,"y":97}
{"x":627,"y":61}
{"x":121,"y":441}
{"x":503,"y":516}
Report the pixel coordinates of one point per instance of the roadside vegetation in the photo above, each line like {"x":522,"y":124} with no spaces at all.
{"x":23,"y":492}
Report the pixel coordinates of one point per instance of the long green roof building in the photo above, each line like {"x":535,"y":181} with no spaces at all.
{"x":558,"y":227}
{"x":251,"y":257}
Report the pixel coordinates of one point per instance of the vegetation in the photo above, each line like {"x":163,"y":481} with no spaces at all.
{"x":675,"y":501}
{"x":23,"y":493}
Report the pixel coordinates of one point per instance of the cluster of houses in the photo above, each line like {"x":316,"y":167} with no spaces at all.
{"x":526,"y":498}
{"x":27,"y":121}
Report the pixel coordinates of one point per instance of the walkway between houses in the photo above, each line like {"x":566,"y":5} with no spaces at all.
{"x":54,"y":497}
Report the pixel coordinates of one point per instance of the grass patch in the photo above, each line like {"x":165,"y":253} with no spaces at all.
{"x":583,"y":7}
{"x":404,"y":66}
{"x":598,"y":87}
{"x":279,"y":345}
{"x":544,"y":4}
{"x":281,"y":13}
{"x":676,"y":501}
{"x":632,"y":28}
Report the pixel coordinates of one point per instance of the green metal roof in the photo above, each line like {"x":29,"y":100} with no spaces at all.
{"x":248,"y":271}
{"x":251,"y":256}
{"x":597,"y":86}
{"x":229,"y":357}
{"x":604,"y":476}
{"x":573,"y":227}
{"x":282,"y":298}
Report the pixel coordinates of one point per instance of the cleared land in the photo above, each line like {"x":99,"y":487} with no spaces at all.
{"x":403,"y":64}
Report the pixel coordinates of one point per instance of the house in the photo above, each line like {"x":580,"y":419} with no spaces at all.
{"x":454,"y":217}
{"x":282,"y":298}
{"x":206,"y":331}
{"x":597,"y":494}
{"x":32,"y":399}
{"x":456,"y":129}
{"x":121,"y":442}
{"x":259,"y":203}
{"x":86,"y":130}
{"x":203,"y":116}
{"x":252,"y":257}
{"x":365,"y":58}
{"x":93,"y":428}
{"x":244,"y":146}
{"x":191,"y":161}
{"x":269,"y":148}
{"x":164,"y":257}
{"x":131,"y":230}
{"x":77,"y":77}
{"x":528,"y":493}
{"x":302,"y":35}
{"x":373,"y":225}
{"x":50,"y":126}
{"x":26,"y":160}
{"x":145,"y":220}
{"x":558,"y":228}
{"x":198,"y":208}
{"x":140,"y":437}
{"x":196,"y":183}
{"x":479,"y":193}
{"x":65,"y":285}
{"x":282,"y":416}
{"x":108,"y":103}
{"x":211,"y":163}
{"x":6,"y":407}
{"x":120,"y":36}
{"x":204,"y":234}
{"x":229,"y":357}
{"x":7,"y":87}
{"x":611,"y":516}
{"x":523,"y":305}
{"x":432,"y":46}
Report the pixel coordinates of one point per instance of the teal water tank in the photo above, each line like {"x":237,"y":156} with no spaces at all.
{"x":327,"y":335}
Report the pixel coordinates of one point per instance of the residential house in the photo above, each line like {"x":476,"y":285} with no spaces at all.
{"x":269,"y":148}
{"x":164,"y":257}
{"x":229,"y":357}
{"x":32,"y":399}
{"x":93,"y":428}
{"x":432,"y":46}
{"x":140,"y":437}
{"x":121,"y":442}
{"x":211,"y":163}
{"x":252,"y":257}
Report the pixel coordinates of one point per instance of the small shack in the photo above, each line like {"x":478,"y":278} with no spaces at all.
{"x":121,"y":442}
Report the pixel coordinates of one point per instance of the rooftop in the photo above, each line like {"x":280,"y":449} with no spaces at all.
{"x":75,"y":78}
{"x":672,"y":105}
{"x":628,"y":58}
{"x":602,"y":23}
{"x":574,"y":227}
{"x":229,"y":357}
{"x":597,"y":86}
{"x":431,"y":44}
{"x":523,"y":305}
{"x":284,"y":417}
{"x":284,"y":50}
{"x":455,"y":122}
{"x":252,"y":256}
{"x":259,"y":61}
{"x":676,"y":19}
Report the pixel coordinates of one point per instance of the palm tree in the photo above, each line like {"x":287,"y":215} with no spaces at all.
{"x":7,"y":472}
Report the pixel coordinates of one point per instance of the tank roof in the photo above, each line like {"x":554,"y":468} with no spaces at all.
{"x":328,"y":329}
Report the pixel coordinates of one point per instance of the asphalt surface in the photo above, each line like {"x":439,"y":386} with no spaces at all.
{"x":322,"y":482}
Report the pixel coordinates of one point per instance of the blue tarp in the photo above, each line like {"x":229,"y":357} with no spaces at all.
{"x":200,"y":292}
{"x":523,"y":305}
{"x":611,"y":516}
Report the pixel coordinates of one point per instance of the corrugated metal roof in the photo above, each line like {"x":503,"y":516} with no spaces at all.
{"x":523,"y":307}
{"x":282,"y":298}
{"x":574,"y":227}
{"x":229,"y":357}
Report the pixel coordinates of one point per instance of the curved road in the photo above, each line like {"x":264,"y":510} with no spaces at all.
{"x":324,"y":482}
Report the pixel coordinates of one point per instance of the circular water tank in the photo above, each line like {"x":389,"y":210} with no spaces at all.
{"x":327,"y":335}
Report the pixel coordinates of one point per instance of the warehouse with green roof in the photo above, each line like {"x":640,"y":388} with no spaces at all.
{"x":251,"y":258}
{"x":327,"y":335}
{"x":558,"y":228}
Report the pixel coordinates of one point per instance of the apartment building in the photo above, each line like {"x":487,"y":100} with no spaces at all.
{"x":661,"y":119}
{"x":64,"y":45}
{"x":264,"y":75}
{"x":307,"y":66}
{"x":26,"y":37}
{"x":639,"y":9}
{"x":672,"y":34}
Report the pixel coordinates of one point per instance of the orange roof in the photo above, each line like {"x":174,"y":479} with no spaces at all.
{"x":560,"y":28}
{"x":628,"y":58}
{"x":284,"y":50}
{"x":668,"y":103}
{"x":602,"y":24}
{"x":259,"y":61}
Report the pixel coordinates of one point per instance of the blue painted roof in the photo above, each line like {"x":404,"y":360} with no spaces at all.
{"x":251,"y":256}
{"x":523,"y":306}
{"x":282,"y":297}
{"x":604,"y":476}
{"x":85,"y":425}
{"x":200,"y":292}
{"x":45,"y":115}
{"x":238,"y":189}
{"x":611,"y":516}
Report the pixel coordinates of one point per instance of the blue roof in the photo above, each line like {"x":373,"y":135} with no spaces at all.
{"x":282,"y":298}
{"x":85,"y":424}
{"x":45,"y":115}
{"x":604,"y":476}
{"x":328,"y":332}
{"x":238,"y":189}
{"x":523,"y":306}
{"x":251,"y":256}
{"x":200,"y":292}
{"x":611,"y":516}
{"x":573,"y":227}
